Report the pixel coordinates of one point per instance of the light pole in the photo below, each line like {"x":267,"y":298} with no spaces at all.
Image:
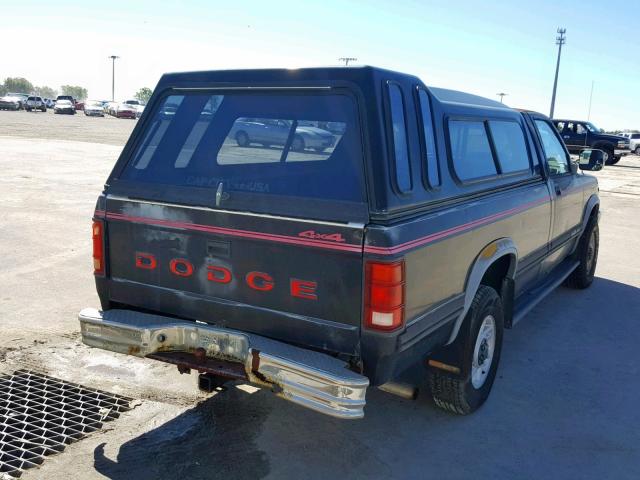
{"x":346,"y":60}
{"x":113,"y":76}
{"x":560,"y":40}
{"x":590,"y":98}
{"x":502,"y":95}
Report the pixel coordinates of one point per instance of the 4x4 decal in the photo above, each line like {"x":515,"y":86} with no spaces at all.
{"x":334,"y":237}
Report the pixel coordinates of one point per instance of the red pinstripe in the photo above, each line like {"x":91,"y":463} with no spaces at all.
{"x":450,"y":231}
{"x":321,"y":243}
{"x":236,"y":233}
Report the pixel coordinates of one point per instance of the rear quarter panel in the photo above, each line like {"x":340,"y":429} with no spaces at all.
{"x":440,"y":248}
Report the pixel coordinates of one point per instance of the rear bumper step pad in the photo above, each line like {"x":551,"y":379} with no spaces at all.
{"x":308,"y":378}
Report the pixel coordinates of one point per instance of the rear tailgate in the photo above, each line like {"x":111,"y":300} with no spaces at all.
{"x":265,"y":238}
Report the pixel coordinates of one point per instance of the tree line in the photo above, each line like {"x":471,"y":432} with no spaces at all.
{"x":22,"y":85}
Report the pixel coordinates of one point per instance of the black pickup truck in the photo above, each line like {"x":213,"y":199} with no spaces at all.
{"x":579,"y":135}
{"x":430,"y":221}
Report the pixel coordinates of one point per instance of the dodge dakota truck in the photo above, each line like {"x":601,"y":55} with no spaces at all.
{"x":432,"y":221}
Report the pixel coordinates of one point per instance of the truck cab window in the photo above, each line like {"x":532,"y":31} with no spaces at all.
{"x":553,"y":150}
{"x":511,"y":147}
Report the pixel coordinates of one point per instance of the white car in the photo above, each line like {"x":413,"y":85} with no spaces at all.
{"x":634,"y":141}
{"x":64,"y":106}
{"x":9,"y":102}
{"x":137,"y":104}
{"x":124,"y":110}
{"x":93,"y":108}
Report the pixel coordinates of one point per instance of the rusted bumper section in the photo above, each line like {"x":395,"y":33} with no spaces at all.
{"x":311,"y":379}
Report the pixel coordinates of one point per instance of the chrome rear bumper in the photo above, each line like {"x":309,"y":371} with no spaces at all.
{"x":311,"y":379}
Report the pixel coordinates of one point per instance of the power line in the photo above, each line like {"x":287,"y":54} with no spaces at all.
{"x":560,"y":40}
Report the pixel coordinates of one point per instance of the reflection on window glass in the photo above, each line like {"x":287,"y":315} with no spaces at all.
{"x":511,"y":148}
{"x":308,"y":140}
{"x":198,"y":130}
{"x":433,"y":175}
{"x":403,"y":171}
{"x":553,"y":150}
{"x":156,"y":132}
{"x":470,"y":150}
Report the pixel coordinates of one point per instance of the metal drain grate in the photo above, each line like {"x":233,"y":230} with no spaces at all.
{"x":40,"y":415}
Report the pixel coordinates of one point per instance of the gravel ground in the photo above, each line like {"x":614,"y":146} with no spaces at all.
{"x":79,"y":128}
{"x":564,"y":405}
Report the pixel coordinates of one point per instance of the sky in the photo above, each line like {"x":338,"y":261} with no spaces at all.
{"x":479,"y":47}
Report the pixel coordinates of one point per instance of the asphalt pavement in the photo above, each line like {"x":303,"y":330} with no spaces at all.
{"x":564,"y":404}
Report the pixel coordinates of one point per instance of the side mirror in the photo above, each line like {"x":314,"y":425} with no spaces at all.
{"x":573,"y":166}
{"x":591,"y":160}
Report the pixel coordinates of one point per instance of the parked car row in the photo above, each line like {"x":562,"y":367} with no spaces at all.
{"x":122,"y":110}
{"x":69,"y":105}
{"x":127,"y":109}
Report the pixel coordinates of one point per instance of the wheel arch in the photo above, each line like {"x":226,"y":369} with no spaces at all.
{"x":497,"y":261}
{"x":591,"y":208}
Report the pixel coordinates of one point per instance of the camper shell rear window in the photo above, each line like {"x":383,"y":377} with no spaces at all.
{"x":285,"y":153}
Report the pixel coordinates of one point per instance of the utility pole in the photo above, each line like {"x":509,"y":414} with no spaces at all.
{"x":560,"y":40}
{"x":113,"y":76}
{"x":346,"y":60}
{"x":502,"y":95}
{"x":590,"y":98}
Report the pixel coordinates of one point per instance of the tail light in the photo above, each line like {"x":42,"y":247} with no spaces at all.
{"x":384,"y":296}
{"x":98,"y":247}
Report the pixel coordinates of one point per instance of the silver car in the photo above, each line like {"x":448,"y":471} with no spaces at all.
{"x":269,"y":131}
{"x":35,"y":103}
{"x":93,"y":108}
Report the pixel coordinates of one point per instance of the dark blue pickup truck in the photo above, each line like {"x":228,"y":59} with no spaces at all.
{"x":579,"y":135}
{"x":429,"y":222}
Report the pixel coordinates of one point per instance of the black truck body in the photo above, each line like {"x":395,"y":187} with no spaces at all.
{"x":362,"y":236}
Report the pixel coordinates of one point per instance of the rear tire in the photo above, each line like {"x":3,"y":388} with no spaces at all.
{"x":476,"y":352}
{"x":297,"y":145}
{"x":587,"y":254}
{"x":242,"y":139}
{"x":637,"y":150}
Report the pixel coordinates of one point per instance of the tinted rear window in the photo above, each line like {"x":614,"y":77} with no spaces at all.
{"x":247,"y":144}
